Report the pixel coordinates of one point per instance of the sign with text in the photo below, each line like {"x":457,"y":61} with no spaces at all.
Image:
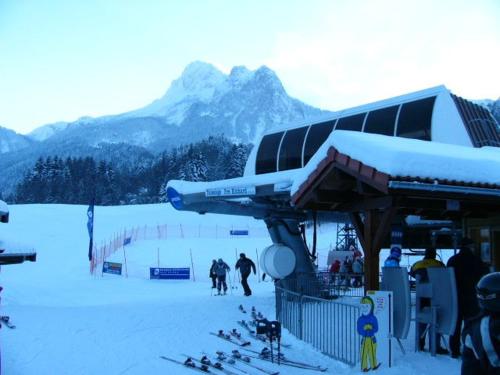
{"x":230,"y":191}
{"x":238,"y":232}
{"x":111,"y":267}
{"x":157,"y":273}
{"x":375,"y":328}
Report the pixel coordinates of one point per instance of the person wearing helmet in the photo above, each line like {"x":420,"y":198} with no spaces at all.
{"x":468,"y":269}
{"x":220,"y":269}
{"x":394,"y":257}
{"x":481,"y":334}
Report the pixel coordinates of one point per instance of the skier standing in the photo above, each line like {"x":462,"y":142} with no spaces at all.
{"x":213,"y":274}
{"x":220,"y":269}
{"x":468,"y":269}
{"x":245,"y":265}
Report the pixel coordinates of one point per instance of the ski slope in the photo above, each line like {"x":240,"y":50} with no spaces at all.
{"x":70,"y":322}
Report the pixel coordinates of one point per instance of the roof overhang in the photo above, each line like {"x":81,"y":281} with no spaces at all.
{"x":341,"y":183}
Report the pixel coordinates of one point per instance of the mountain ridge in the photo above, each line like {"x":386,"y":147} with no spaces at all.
{"x":202,"y":102}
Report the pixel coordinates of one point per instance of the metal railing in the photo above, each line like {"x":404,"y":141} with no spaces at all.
{"x":326,"y":285}
{"x":328,"y":325}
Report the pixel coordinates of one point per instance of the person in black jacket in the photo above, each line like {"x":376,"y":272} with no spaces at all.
{"x":213,"y":274}
{"x":245,"y":265}
{"x":481,"y":335}
{"x":468,"y":270}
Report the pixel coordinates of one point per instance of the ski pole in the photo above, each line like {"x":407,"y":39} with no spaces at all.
{"x":230,"y":284}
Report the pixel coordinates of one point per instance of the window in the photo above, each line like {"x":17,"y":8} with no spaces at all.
{"x":354,"y":122}
{"x":415,"y":119}
{"x":316,"y":137}
{"x":291,"y":149}
{"x":381,"y":121}
{"x":268,"y":153}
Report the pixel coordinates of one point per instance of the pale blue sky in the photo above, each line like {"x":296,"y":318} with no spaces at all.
{"x":63,"y":59}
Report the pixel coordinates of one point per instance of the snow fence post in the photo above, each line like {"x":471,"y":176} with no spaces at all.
{"x":236,"y":256}
{"x":192,"y":264}
{"x":258,"y":266}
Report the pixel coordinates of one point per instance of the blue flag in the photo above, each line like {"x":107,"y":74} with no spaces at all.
{"x":90,"y":227}
{"x":127,"y":240}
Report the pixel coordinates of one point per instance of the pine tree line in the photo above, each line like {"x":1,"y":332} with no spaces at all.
{"x":79,"y":180}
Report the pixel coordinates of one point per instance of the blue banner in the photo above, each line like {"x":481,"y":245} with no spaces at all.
{"x":241,"y":232}
{"x":111,"y":267}
{"x":90,"y":227}
{"x":169,"y":273}
{"x":174,"y":198}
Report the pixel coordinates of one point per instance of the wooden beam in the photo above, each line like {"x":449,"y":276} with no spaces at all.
{"x":356,"y":221}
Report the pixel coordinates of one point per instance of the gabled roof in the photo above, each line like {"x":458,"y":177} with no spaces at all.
{"x":388,"y":165}
{"x":409,"y":158}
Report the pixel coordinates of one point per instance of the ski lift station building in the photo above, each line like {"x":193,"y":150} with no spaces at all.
{"x":429,"y":155}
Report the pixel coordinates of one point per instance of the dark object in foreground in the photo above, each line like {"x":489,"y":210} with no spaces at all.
{"x":15,"y":258}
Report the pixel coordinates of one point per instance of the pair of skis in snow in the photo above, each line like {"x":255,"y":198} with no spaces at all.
{"x":222,"y":356}
{"x":205,"y":365}
{"x":189,"y":364}
{"x":234,"y":337}
{"x":265,"y":355}
{"x":5,"y":320}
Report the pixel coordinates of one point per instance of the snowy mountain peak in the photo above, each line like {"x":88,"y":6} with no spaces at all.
{"x":47,"y":131}
{"x":10,"y":141}
{"x":240,"y":75}
{"x":199,"y":80}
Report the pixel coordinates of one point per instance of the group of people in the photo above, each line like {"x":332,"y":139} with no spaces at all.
{"x":219,"y":270}
{"x":478,"y":294}
{"x":350,"y":269}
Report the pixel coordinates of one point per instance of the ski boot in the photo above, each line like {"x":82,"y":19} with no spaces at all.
{"x":205,"y":360}
{"x":235,"y":333}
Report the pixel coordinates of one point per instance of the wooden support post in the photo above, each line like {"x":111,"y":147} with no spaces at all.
{"x":371,"y":232}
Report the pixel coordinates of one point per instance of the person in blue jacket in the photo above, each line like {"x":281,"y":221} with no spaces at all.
{"x":367,"y":326}
{"x":394,"y":257}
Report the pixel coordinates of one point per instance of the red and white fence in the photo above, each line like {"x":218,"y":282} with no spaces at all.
{"x":165,"y":232}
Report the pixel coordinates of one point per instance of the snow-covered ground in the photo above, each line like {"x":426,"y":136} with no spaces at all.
{"x":70,"y":322}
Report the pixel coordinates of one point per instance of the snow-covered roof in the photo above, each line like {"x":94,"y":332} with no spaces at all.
{"x":403,"y":157}
{"x":282,"y":180}
{"x":396,"y":158}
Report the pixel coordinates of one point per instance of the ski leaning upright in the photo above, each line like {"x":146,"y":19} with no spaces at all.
{"x":189,"y":364}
